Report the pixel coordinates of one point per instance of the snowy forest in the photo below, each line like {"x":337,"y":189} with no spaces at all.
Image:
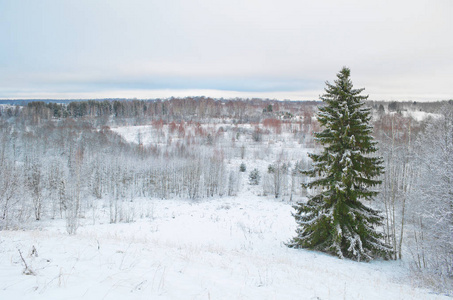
{"x":94,"y":162}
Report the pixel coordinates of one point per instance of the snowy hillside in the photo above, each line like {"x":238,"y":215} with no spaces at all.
{"x":229,"y":248}
{"x":186,"y":202}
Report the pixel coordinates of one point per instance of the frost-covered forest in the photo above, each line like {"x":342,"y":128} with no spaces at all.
{"x":84,"y":164}
{"x":64,"y":156}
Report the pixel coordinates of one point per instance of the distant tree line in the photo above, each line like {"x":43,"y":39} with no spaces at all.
{"x":174,"y":109}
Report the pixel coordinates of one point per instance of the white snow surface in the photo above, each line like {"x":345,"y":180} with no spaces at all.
{"x":420,"y":115}
{"x":224,"y":248}
{"x":221,"y":248}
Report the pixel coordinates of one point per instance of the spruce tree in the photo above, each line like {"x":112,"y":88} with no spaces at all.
{"x":335,"y":220}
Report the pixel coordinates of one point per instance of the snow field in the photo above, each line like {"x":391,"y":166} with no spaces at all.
{"x":220,"y":248}
{"x":227,"y":248}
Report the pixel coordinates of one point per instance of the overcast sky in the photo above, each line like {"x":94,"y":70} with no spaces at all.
{"x":283,"y":49}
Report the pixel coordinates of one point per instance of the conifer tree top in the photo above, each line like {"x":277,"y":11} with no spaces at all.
{"x":343,"y":87}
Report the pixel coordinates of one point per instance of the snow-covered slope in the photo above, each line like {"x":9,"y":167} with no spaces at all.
{"x":226,"y":248}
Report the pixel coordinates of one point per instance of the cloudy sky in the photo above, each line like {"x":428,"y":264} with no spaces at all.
{"x":283,"y":49}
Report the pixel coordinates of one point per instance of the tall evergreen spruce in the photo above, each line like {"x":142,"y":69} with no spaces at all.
{"x":335,"y":220}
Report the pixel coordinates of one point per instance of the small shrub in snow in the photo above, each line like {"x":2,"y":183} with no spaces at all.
{"x":254,"y":177}
{"x":271,"y":169}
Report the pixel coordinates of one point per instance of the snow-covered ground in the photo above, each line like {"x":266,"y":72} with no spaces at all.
{"x":219,"y":248}
{"x":224,"y":248}
{"x":420,"y":115}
